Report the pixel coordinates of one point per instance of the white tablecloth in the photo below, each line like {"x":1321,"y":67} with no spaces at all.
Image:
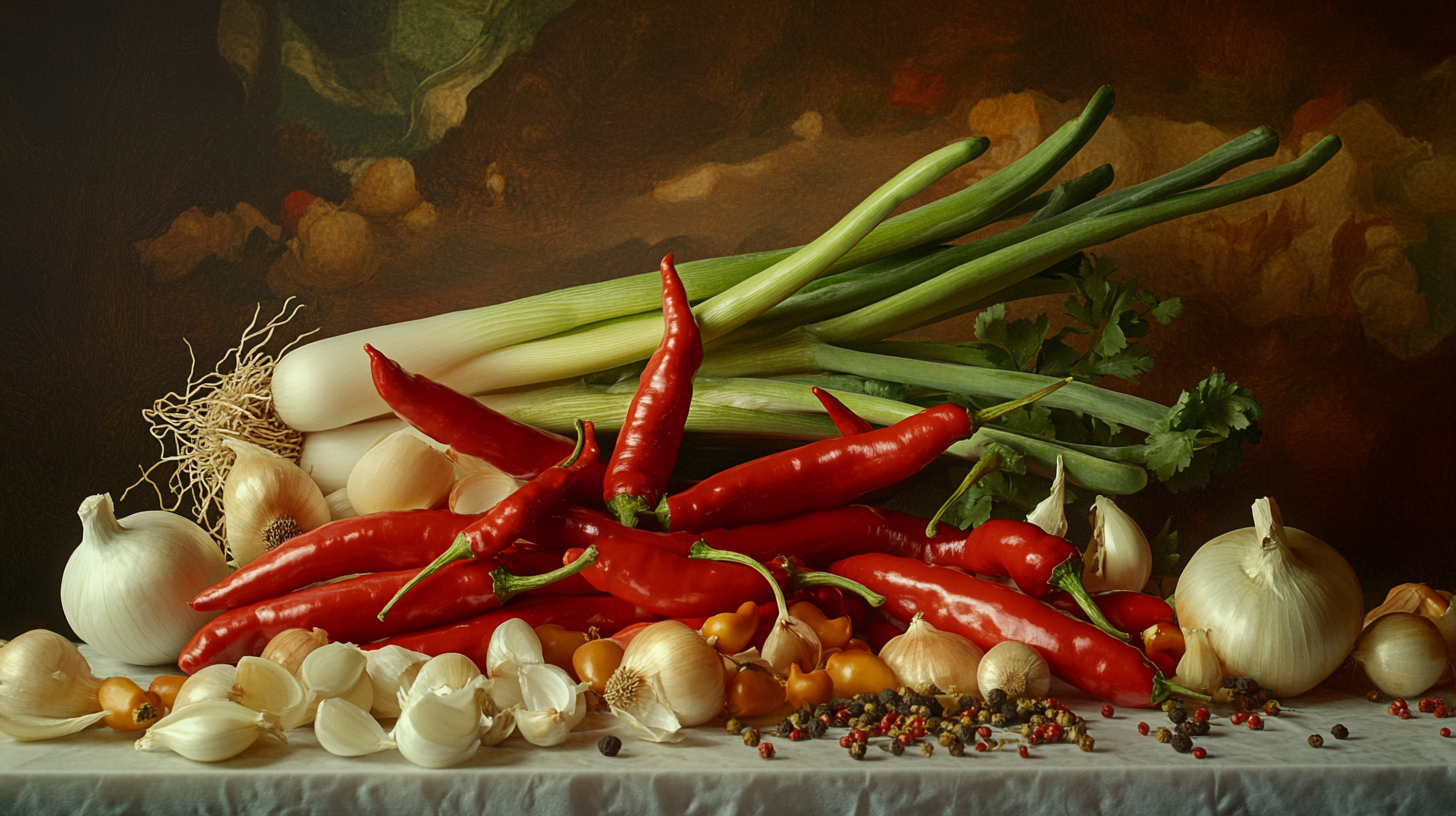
{"x":1387,"y":766}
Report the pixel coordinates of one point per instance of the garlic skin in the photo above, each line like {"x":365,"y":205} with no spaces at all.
{"x":268,"y":500}
{"x":344,"y":729}
{"x":670,"y":666}
{"x":923,"y":656}
{"x":289,"y":647}
{"x":46,"y":687}
{"x":480,"y":490}
{"x":1016,"y":669}
{"x":126,"y":588}
{"x":1279,"y":605}
{"x":211,"y":731}
{"x":210,"y":683}
{"x":1402,"y":653}
{"x":792,"y":641}
{"x":390,"y":669}
{"x":401,"y":472}
{"x":1199,"y":668}
{"x":1051,"y":513}
{"x":1118,"y":556}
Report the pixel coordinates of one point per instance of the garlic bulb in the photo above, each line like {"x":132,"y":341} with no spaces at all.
{"x":1402,"y":653}
{"x":390,"y":669}
{"x":1016,"y":669}
{"x":213,"y":682}
{"x":439,"y":730}
{"x":1279,"y":605}
{"x":1051,"y":515}
{"x":210,"y":732}
{"x":1118,"y":557}
{"x":126,"y":587}
{"x":289,"y":647}
{"x":401,"y":472}
{"x":1199,"y":669}
{"x":669,"y":665}
{"x":46,"y":687}
{"x":268,"y":500}
{"x":923,"y":656}
{"x":344,"y":729}
{"x":792,"y":641}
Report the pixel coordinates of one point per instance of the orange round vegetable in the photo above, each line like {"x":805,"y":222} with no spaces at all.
{"x":754,"y":692}
{"x":559,"y":645}
{"x":127,"y":707}
{"x":734,"y":630}
{"x":811,"y":688}
{"x":595,"y":661}
{"x":166,"y":686}
{"x":855,"y":672}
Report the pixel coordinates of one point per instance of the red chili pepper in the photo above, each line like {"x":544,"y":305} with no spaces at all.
{"x":378,"y":542}
{"x":505,"y":522}
{"x":988,"y":613}
{"x":1165,"y":645}
{"x":673,"y":586}
{"x":1125,"y":609}
{"x":646,"y":450}
{"x":848,"y":422}
{"x":471,"y":637}
{"x":1039,"y":563}
{"x":826,"y":473}
{"x":345,"y":609}
{"x":460,"y":421}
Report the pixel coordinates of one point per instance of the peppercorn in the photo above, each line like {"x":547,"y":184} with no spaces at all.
{"x":750,"y":737}
{"x":945,"y":740}
{"x":1188,"y":728}
{"x":965,"y":733}
{"x":1108,"y":711}
{"x":1445,"y":732}
{"x":786,"y":727}
{"x":609,"y":745}
{"x":957,"y":749}
{"x":1087,"y":743}
{"x":1247,"y":685}
{"x":1178,"y":715}
{"x":1271,"y":708}
{"x":1163,"y":735}
{"x":1181,"y":743}
{"x":1230,"y":682}
{"x":1169,"y":705}
{"x":799,"y":735}
{"x":1200,"y":729}
{"x":933,"y":724}
{"x":1340,"y":732}
{"x":1009,"y":711}
{"x":1255,"y":722}
{"x":1316,"y":741}
{"x":1200,"y":752}
{"x":872,"y":709}
{"x":983,"y":716}
{"x":734,"y":726}
{"x":817,"y":729}
{"x":855,"y":709}
{"x":1143,"y":728}
{"x":1202,"y":714}
{"x":996,"y":697}
{"x":896,"y":747}
{"x":823,"y":710}
{"x":965,"y":702}
{"x":927,"y":748}
{"x":889,"y":696}
{"x":766,"y":750}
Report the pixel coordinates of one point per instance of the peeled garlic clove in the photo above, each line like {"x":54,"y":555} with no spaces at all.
{"x":790,"y":642}
{"x":1402,"y":653}
{"x":333,"y":669}
{"x":451,"y":671}
{"x":1199,"y":668}
{"x":479,"y":491}
{"x":401,"y":472}
{"x":339,"y":506}
{"x":344,"y":729}
{"x":266,"y":686}
{"x":289,"y":647}
{"x":210,"y":683}
{"x":268,"y":500}
{"x":43,"y":676}
{"x":210,"y":731}
{"x":390,"y":669}
{"x":29,"y":727}
{"x":515,"y":641}
{"x":1118,"y":556}
{"x":439,"y":730}
{"x":1016,"y":669}
{"x":1051,"y":514}
{"x":924,"y":656}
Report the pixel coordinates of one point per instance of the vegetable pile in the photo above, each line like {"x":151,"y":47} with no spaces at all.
{"x":765,"y":584}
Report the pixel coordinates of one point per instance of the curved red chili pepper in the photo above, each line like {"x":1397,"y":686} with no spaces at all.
{"x":471,"y":637}
{"x":458,"y":420}
{"x":504,"y":523}
{"x":988,"y":613}
{"x":346,"y":609}
{"x":378,"y":542}
{"x":674,"y":586}
{"x":846,"y":421}
{"x":1038,"y":562}
{"x":1125,"y":609}
{"x":646,"y":450}
{"x":826,"y":473}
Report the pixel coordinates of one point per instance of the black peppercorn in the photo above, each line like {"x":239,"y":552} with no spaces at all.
{"x":1340,"y":732}
{"x":858,"y":749}
{"x":1181,"y":743}
{"x":1316,"y":741}
{"x":817,"y":729}
{"x":927,"y":748}
{"x":786,"y":727}
{"x":996,"y":697}
{"x":966,"y":733}
{"x":889,"y":696}
{"x":965,"y":702}
{"x":1009,"y":711}
{"x":1247,"y":685}
{"x":609,"y":745}
{"x":897,"y":747}
{"x":1177,"y":715}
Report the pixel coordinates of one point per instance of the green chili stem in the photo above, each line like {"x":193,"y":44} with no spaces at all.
{"x":508,"y":585}
{"x":1068,"y":577}
{"x":703,"y":550}
{"x":1163,"y":687}
{"x":810,"y":578}
{"x":988,"y":464}
{"x":459,"y":550}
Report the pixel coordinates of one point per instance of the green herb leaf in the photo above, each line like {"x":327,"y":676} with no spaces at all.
{"x":1164,"y":546}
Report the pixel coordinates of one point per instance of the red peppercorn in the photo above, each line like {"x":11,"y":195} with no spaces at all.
{"x":798,"y":735}
{"x":1400,"y":703}
{"x":1238,"y":717}
{"x":984,"y":732}
{"x":845,"y":741}
{"x":1200,"y":752}
{"x":904,"y":739}
{"x":1053,"y":704}
{"x":1404,"y":714}
{"x":765,"y":750}
{"x":1054,"y":732}
{"x":859,"y":735}
{"x":1445,"y":732}
{"x":1024,"y":751}
{"x":880,"y":730}
{"x":1426,"y":705}
{"x":1255,"y":722}
{"x":1440,"y":712}
{"x":1108,"y":711}
{"x":1201,"y":715}
{"x":1143,"y":728}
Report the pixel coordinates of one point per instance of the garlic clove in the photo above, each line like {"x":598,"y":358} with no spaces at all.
{"x":649,"y":717}
{"x":289,"y":647}
{"x":479,"y":491}
{"x":1051,"y":514}
{"x":441,"y":674}
{"x":924,"y":656}
{"x":391,"y":668}
{"x":1118,"y":556}
{"x":439,"y":730}
{"x":339,"y":506}
{"x":1402,"y":653}
{"x":543,"y":727}
{"x":210,"y":731}
{"x":505,"y":687}
{"x":514,"y":640}
{"x":29,"y":727}
{"x":266,"y":686}
{"x":790,"y":642}
{"x":43,"y":676}
{"x":344,"y":729}
{"x":1199,"y":669}
{"x":495,"y":729}
{"x":332,"y":670}
{"x":210,"y":683}
{"x":268,"y":500}
{"x":401,"y":472}
{"x":1016,"y":669}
